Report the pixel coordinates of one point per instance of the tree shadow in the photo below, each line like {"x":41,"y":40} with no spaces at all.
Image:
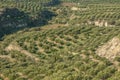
{"x":53,"y":3}
{"x":42,"y":18}
{"x":13,"y":20}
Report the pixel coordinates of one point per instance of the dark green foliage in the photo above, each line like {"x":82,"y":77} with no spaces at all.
{"x":42,"y":18}
{"x":117,"y":59}
{"x":12,"y":19}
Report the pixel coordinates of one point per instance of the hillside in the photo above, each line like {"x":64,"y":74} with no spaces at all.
{"x":65,"y":52}
{"x":59,"y":40}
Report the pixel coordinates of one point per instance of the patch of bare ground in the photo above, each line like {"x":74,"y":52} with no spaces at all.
{"x":74,"y":53}
{"x":14,"y":46}
{"x":52,"y":26}
{"x":40,"y":49}
{"x":68,"y":4}
{"x":110,"y":50}
{"x":23,"y":76}
{"x":83,"y":56}
{"x":4,"y":77}
{"x":101,"y":23}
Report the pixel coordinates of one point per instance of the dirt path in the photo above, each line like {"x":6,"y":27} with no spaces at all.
{"x":16,"y":47}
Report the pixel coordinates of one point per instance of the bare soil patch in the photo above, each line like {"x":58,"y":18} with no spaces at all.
{"x":18,"y":48}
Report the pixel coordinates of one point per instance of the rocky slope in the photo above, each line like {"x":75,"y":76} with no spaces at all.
{"x":110,"y":50}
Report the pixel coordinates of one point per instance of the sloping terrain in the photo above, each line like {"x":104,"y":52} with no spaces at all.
{"x":65,"y":52}
{"x":75,"y":40}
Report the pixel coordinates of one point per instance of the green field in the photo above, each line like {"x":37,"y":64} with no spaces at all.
{"x":59,"y":39}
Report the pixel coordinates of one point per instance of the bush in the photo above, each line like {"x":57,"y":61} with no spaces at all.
{"x":117,"y":59}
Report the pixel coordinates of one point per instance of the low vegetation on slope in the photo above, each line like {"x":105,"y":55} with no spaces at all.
{"x":76,"y":44}
{"x":65,"y":53}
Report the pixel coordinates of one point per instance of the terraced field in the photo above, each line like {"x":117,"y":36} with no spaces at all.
{"x":65,"y":52}
{"x":95,"y":14}
{"x":77,"y":40}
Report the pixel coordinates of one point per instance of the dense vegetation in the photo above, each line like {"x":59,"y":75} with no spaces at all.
{"x":18,"y":15}
{"x":65,"y":52}
{"x":76,"y":14}
{"x":57,"y":39}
